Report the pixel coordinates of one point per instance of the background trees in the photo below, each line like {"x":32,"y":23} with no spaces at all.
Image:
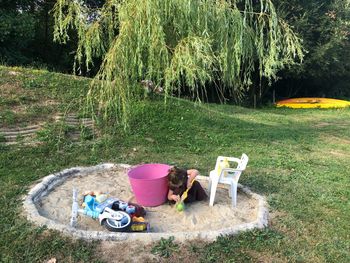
{"x":16,"y":31}
{"x":185,"y":46}
{"x":26,"y":38}
{"x":324,"y":26}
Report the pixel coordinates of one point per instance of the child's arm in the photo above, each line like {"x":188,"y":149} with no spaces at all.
{"x":192,"y":173}
{"x":173,"y":197}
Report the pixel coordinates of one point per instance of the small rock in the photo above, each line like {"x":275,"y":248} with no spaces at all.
{"x":52,"y":260}
{"x":13,"y":73}
{"x":149,"y":139}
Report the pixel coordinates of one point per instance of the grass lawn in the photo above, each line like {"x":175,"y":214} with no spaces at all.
{"x":299,"y":159}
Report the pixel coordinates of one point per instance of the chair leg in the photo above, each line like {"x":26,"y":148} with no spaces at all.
{"x":234,"y":194}
{"x":213,"y":186}
{"x":209,"y":185}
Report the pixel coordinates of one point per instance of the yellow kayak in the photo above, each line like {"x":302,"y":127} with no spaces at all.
{"x":309,"y":103}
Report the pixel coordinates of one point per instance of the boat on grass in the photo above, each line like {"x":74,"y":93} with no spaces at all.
{"x":309,"y":103}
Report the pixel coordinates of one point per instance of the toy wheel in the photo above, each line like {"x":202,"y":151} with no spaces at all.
{"x":116,"y":225}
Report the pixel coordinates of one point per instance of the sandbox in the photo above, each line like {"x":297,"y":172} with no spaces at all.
{"x":49,"y":203}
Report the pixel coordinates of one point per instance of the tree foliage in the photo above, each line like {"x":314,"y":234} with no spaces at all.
{"x":324,"y":26}
{"x":26,"y":36}
{"x":198,"y":59}
{"x":179,"y":44}
{"x":16,"y":32}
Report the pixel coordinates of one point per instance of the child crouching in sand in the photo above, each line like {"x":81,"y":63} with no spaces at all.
{"x":179,"y":180}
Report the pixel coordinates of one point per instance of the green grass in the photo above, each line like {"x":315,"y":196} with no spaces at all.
{"x":299,"y":159}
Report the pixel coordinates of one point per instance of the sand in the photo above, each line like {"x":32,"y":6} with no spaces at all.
{"x":56,"y":205}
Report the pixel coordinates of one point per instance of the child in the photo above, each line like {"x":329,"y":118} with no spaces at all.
{"x":179,"y":180}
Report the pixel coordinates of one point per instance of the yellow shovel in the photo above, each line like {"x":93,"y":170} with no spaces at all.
{"x":180,"y":205}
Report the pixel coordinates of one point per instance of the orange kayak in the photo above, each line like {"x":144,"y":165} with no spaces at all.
{"x":309,"y":103}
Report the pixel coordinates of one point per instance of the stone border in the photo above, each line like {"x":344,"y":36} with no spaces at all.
{"x":51,"y":181}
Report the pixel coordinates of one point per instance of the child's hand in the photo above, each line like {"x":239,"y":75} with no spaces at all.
{"x":176,"y":198}
{"x":192,"y":173}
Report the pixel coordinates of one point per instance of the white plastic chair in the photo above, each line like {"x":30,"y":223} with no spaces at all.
{"x":228,"y":176}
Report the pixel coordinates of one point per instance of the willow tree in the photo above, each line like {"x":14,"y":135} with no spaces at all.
{"x":178,"y":44}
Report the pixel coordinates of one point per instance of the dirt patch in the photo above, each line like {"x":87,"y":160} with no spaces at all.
{"x":275,"y":217}
{"x":334,"y":139}
{"x":322,"y":124}
{"x":19,"y":99}
{"x":116,"y":252}
{"x":264,"y":257}
{"x":338,"y":124}
{"x":132,"y":252}
{"x":10,"y":90}
{"x":339,"y":154}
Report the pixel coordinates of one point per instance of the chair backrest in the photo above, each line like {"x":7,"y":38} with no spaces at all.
{"x":220,"y":159}
{"x":242,"y":164}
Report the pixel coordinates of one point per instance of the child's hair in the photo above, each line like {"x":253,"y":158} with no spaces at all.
{"x":175,"y":177}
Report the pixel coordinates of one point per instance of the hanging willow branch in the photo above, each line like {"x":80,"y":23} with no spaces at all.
{"x":176,"y":44}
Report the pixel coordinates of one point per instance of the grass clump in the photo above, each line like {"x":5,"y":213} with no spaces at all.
{"x":165,"y":247}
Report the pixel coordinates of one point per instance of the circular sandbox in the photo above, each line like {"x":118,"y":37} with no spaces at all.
{"x":49,"y":203}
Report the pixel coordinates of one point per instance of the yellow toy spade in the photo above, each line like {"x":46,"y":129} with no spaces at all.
{"x":180,"y":205}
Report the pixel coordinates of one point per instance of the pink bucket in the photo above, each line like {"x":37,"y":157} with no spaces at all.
{"x":149,"y":183}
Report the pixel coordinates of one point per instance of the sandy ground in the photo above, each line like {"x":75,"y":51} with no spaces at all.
{"x":196,"y":217}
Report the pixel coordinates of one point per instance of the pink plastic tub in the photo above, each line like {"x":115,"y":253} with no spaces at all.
{"x":149,"y":183}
